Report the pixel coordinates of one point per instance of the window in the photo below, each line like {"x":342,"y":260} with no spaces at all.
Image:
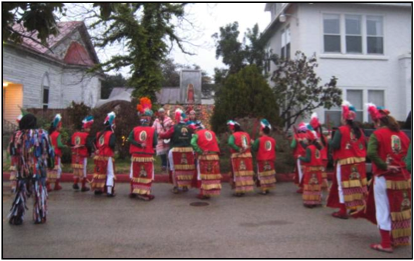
{"x":355,"y":97}
{"x":332,"y":33}
{"x":375,"y":37}
{"x":353,"y":34}
{"x":377,"y":98}
{"x":45,"y":91}
{"x":285,"y":51}
{"x":333,"y":117}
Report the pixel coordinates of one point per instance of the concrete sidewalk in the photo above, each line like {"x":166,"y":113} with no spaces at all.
{"x":81,"y":225}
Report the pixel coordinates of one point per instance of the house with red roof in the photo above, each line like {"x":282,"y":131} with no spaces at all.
{"x":36,"y":76}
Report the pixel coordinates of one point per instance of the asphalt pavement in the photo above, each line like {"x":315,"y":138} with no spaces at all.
{"x":82,"y":225}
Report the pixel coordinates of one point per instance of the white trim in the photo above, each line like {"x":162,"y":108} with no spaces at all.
{"x":353,"y":56}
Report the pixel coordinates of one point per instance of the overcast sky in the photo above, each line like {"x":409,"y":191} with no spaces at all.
{"x":205,"y":20}
{"x":209,"y":18}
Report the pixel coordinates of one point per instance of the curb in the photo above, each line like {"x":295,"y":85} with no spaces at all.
{"x":162,"y":178}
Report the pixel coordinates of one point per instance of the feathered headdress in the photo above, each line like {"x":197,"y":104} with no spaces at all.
{"x":231,"y":124}
{"x":179,"y":115}
{"x":314,"y":122}
{"x":87,"y":122}
{"x":57,"y":121}
{"x":144,"y":107}
{"x":302,"y":127}
{"x":311,"y":133}
{"x":348,"y":111}
{"x":19,"y":118}
{"x":110,"y":118}
{"x":377,"y":113}
{"x":264,"y":123}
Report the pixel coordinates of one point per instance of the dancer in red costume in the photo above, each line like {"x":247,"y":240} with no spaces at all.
{"x":349,"y":186}
{"x":389,"y":201}
{"x":53,"y":176}
{"x":143,"y":140}
{"x":82,"y":147}
{"x":299,"y":143}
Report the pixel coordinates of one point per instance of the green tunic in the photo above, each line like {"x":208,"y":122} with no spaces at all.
{"x":372,"y":153}
{"x":408,"y":158}
{"x":181,"y":137}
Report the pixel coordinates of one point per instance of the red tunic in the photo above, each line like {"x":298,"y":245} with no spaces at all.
{"x":54,"y":137}
{"x":393,"y":147}
{"x":241,"y":139}
{"x":351,"y":147}
{"x":102,"y":144}
{"x":300,"y":150}
{"x":207,"y":141}
{"x":79,"y":140}
{"x":143,"y":135}
{"x":266,"y":149}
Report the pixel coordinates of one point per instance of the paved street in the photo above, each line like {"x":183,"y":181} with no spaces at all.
{"x":276,"y":226}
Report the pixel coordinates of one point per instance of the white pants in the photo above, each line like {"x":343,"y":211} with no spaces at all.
{"x":85,"y":167}
{"x":382,"y":204}
{"x":59,"y":169}
{"x":110,"y":175}
{"x":170,"y":159}
{"x":339,"y":179}
{"x":299,"y":166}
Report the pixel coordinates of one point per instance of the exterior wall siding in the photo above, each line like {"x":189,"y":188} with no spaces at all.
{"x":361,"y":72}
{"x":65,"y":85}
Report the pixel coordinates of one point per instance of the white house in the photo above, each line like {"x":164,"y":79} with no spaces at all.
{"x":367,"y":46}
{"x":38,"y":77}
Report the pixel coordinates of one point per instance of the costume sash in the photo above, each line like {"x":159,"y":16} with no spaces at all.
{"x":209,"y":175}
{"x":142,"y":175}
{"x":184,"y":167}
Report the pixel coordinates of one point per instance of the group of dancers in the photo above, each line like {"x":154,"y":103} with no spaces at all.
{"x":193,"y":161}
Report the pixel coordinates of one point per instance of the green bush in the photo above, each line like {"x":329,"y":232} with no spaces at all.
{"x":126,"y":119}
{"x":245,"y":94}
{"x":77,"y":112}
{"x":285,"y":163}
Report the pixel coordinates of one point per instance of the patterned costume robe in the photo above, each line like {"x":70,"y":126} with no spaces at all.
{"x":34,"y":154}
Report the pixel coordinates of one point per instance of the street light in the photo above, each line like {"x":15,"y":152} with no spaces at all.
{"x":5,"y":84}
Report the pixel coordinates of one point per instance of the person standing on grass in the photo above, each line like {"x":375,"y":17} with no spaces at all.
{"x":265,"y":148}
{"x":104,"y":172}
{"x":241,"y":160}
{"x":54,"y":133}
{"x":389,"y":201}
{"x":82,"y":147}
{"x":205,"y":144}
{"x":143,"y":140}
{"x":349,"y":185}
{"x":181,"y":155}
{"x":162,"y":125}
{"x":312,"y":175}
{"x":34,"y":154}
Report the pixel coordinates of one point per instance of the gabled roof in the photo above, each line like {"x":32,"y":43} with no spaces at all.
{"x":168,"y":95}
{"x":65,"y":30}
